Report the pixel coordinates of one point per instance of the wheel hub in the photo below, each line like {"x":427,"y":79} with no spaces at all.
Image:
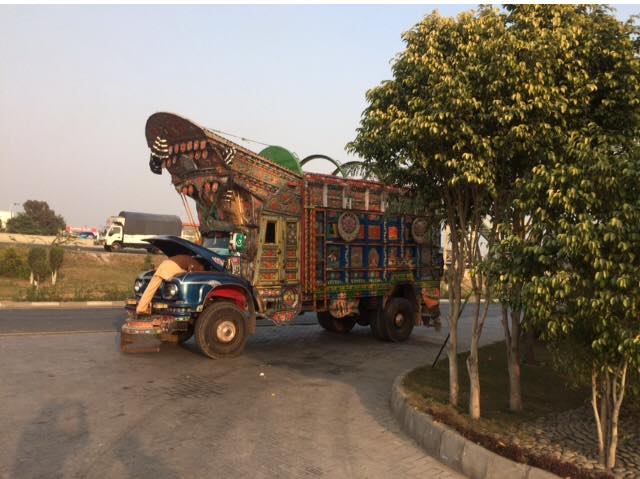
{"x":398,"y":320}
{"x":226,"y":332}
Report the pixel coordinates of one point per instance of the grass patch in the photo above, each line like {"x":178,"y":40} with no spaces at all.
{"x":83,"y":276}
{"x":544,"y":392}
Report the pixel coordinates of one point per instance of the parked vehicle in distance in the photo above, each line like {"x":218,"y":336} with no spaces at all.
{"x":87,"y":235}
{"x":130,"y":229}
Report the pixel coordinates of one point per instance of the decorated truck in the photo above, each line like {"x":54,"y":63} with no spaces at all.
{"x":277,"y":242}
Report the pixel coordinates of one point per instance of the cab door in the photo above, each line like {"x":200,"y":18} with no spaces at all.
{"x":279,"y":263}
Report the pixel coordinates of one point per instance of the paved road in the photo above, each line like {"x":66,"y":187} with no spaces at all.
{"x":300,"y":402}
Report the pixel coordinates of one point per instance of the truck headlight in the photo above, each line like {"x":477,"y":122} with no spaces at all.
{"x":137,"y":285}
{"x":170,"y":290}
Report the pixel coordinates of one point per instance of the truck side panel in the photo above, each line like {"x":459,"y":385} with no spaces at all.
{"x":358,"y":250}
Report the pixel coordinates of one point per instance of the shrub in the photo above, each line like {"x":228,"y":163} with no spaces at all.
{"x":12,"y":265}
{"x":38,"y":262}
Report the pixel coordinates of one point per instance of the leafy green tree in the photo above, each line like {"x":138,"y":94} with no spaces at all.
{"x":475,"y":104}
{"x":38,"y":264}
{"x":580,"y":71}
{"x":37,"y":218}
{"x":56,"y":257}
{"x":421,"y":129}
{"x":573,"y":200}
{"x":587,"y":289}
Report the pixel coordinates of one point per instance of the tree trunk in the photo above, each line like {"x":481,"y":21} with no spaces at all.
{"x":512,"y":341}
{"x":608,"y":387}
{"x":452,"y":349}
{"x":31,"y":279}
{"x":474,"y":379}
{"x":54,"y":277}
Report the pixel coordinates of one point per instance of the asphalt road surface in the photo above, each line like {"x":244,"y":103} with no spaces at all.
{"x":299,"y":403}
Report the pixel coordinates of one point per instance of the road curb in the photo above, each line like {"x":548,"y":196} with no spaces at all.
{"x":59,"y":304}
{"x":452,"y":449}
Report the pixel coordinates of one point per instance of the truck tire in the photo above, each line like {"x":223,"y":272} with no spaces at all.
{"x":371,"y":314}
{"x":398,"y":319}
{"x":221,"y":331}
{"x":116,"y":246}
{"x":107,"y":248}
{"x":377,"y":324}
{"x":335,"y":325}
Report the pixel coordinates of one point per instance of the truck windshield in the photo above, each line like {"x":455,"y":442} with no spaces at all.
{"x":218,"y":242}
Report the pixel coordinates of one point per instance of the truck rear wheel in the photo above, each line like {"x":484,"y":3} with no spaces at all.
{"x":398,"y":319}
{"x":371,"y":314}
{"x":377,"y":324}
{"x":335,"y":325}
{"x":221,"y":331}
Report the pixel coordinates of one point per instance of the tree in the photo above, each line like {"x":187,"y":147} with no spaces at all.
{"x":574,"y":65}
{"x":576,"y":263}
{"x":37,"y":218}
{"x":588,"y":290}
{"x":56,"y":256}
{"x":416,"y":128}
{"x":37,"y":259}
{"x":478,"y":102}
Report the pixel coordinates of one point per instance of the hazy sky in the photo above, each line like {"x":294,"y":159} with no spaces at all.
{"x":77,"y":84}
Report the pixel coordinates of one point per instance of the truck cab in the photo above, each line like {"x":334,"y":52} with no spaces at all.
{"x":182,"y":306}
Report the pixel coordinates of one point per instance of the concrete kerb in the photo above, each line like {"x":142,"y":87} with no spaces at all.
{"x":452,"y":449}
{"x":60,"y":304}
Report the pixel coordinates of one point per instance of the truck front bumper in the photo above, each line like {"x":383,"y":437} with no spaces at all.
{"x":141,"y":334}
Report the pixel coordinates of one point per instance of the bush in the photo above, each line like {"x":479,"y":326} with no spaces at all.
{"x":38,"y":262}
{"x":148,"y":264}
{"x":56,"y":256}
{"x":13,"y":265}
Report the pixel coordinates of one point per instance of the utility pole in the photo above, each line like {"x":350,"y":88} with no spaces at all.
{"x":13,"y":205}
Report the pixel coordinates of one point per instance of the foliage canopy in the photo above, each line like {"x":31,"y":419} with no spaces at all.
{"x":37,"y":218}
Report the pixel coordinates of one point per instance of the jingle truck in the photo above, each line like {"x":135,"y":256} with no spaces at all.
{"x":277,"y":242}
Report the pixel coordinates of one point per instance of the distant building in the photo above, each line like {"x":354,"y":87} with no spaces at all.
{"x":5,"y":216}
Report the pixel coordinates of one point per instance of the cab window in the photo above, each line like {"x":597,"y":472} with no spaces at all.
{"x":270,"y":233}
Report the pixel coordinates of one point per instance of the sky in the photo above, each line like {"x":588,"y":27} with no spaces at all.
{"x":77,"y":84}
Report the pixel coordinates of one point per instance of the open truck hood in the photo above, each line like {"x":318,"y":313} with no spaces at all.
{"x":173,"y":245}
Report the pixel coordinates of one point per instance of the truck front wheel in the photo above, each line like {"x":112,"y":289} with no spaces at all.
{"x":221,"y":331}
{"x":116,"y":246}
{"x":335,"y":325}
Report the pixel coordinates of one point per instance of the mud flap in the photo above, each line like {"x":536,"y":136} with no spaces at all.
{"x":431,"y":311}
